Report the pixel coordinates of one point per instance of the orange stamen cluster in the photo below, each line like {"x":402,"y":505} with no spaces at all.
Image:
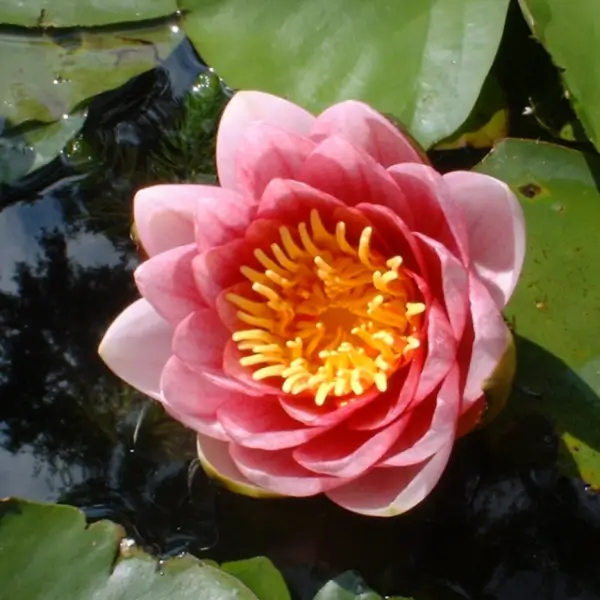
{"x":327,"y":318}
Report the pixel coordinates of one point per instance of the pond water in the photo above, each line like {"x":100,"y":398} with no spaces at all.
{"x":503,"y":524}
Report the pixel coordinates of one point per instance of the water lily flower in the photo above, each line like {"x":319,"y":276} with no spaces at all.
{"x":326,"y":319}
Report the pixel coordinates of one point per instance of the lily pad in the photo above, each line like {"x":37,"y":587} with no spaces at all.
{"x":349,"y":586}
{"x":568,"y":30}
{"x":260,"y":576}
{"x":424,"y":62}
{"x":21,"y":154}
{"x":47,"y":552}
{"x":46,"y":78}
{"x":66,"y":13}
{"x":556,"y":307}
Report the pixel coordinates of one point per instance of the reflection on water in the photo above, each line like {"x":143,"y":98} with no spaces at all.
{"x":502,"y":524}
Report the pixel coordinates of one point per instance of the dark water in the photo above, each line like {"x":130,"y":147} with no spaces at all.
{"x":503,"y":524}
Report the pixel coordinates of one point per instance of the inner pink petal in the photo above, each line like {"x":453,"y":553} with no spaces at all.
{"x":448,"y":280}
{"x":262,"y":423}
{"x":338,"y":168}
{"x":441,"y":351}
{"x":219,"y":268}
{"x":221,"y":216}
{"x":440,"y":427}
{"x":346,"y":453}
{"x":437,"y":214}
{"x":200,"y":340}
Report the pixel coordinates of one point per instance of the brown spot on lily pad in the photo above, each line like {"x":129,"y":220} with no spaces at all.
{"x":530,"y":190}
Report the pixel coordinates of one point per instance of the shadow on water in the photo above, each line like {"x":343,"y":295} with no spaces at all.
{"x":504,"y":523}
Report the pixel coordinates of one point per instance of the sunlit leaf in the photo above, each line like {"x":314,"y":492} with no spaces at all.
{"x":424,"y":62}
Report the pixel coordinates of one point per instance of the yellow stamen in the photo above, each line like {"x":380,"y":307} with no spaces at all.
{"x":329,"y":317}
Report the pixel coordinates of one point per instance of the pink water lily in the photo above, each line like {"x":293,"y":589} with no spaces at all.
{"x":326,"y":319}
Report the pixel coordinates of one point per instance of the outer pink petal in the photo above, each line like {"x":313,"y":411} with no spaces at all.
{"x":267,"y":152}
{"x":448,"y":280}
{"x":200,"y":340}
{"x":496,"y":230}
{"x":338,"y":168}
{"x":221,"y":216}
{"x":437,"y":214}
{"x":243,"y":109}
{"x":262,"y":423}
{"x":387,"y":492}
{"x":491,"y":338}
{"x":346,"y":453}
{"x":167,"y":282}
{"x":219,"y":268}
{"x":280,"y":473}
{"x":217,"y":462}
{"x":366,"y":130}
{"x":136,"y":347}
{"x":440,"y":430}
{"x":164,"y":216}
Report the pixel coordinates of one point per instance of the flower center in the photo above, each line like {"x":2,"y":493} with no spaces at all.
{"x":326,"y":317}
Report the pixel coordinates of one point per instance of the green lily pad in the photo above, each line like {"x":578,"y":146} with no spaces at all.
{"x":568,"y":30}
{"x":424,"y":62}
{"x":260,"y":576}
{"x":66,"y":13}
{"x":556,"y":307}
{"x":44,"y":79}
{"x":349,"y":586}
{"x":24,"y":153}
{"x":47,"y":552}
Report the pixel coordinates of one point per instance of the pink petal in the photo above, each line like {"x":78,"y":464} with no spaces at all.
{"x":307,"y":412}
{"x":448,"y":280}
{"x":221,"y":216}
{"x":339,"y":169}
{"x":495,"y":227}
{"x":262,"y":423}
{"x":167,"y":282}
{"x":491,"y":338}
{"x":136,"y":347}
{"x":164,"y":216}
{"x":441,"y":351}
{"x":437,"y":214}
{"x":267,"y":152}
{"x":193,"y":400}
{"x":390,"y":405}
{"x":368,"y":131}
{"x":291,"y":202}
{"x":440,"y":430}
{"x":200,"y":340}
{"x":280,"y":473}
{"x":217,"y":463}
{"x":397,"y":236}
{"x":346,"y":453}
{"x":245,"y":108}
{"x":243,"y":375}
{"x":218,"y":268}
{"x":387,"y":492}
